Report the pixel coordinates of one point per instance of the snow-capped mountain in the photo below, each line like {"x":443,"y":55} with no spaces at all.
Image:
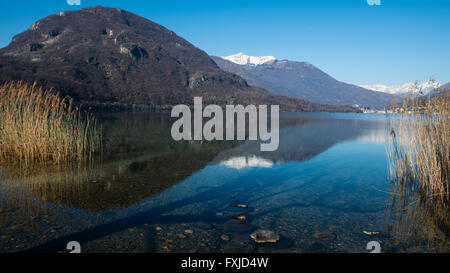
{"x":242,"y":59}
{"x":409,"y":87}
{"x":299,"y":80}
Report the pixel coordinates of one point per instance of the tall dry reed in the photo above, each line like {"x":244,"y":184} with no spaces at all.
{"x":38,"y":126}
{"x":418,"y":152}
{"x":419,"y":145}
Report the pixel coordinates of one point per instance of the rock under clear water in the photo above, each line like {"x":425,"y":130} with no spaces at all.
{"x":265,"y":236}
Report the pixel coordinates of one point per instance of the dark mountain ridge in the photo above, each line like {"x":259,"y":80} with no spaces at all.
{"x":305,"y":81}
{"x":107,"y":55}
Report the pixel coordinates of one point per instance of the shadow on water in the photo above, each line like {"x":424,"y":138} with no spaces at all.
{"x":160,"y":214}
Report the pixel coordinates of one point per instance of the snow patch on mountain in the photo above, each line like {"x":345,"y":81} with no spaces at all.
{"x":243,"y":59}
{"x":409,"y":87}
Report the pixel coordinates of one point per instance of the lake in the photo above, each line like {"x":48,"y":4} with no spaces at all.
{"x":326,"y":189}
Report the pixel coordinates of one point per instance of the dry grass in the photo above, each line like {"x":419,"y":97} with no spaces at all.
{"x":418,"y":156}
{"x":419,"y":145}
{"x":38,"y":126}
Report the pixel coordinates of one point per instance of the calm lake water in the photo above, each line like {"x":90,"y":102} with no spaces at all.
{"x":325,"y":185}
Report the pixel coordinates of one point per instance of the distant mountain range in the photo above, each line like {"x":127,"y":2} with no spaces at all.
{"x":106,"y":55}
{"x":300,"y":80}
{"x":423,"y":88}
{"x":437,"y":91}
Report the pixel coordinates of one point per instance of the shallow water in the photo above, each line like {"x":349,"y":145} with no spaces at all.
{"x":324,"y":186}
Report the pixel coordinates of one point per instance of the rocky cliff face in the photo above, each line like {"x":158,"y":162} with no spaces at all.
{"x":108,"y":55}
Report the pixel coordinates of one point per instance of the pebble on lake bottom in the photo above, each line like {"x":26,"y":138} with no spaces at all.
{"x":371,"y":233}
{"x":240,"y":217}
{"x":240,"y":206}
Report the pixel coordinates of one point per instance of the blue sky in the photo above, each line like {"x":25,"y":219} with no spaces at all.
{"x":396,"y":42}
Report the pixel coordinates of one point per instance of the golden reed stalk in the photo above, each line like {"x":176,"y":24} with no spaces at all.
{"x":418,"y":152}
{"x":419,"y":145}
{"x":38,"y":126}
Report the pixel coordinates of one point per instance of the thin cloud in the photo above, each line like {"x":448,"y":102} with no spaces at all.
{"x":74,"y":2}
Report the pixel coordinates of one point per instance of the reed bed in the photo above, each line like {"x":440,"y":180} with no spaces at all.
{"x":37,"y":126}
{"x":418,"y":153}
{"x":419,"y":145}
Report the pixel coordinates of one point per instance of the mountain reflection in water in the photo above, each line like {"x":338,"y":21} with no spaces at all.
{"x":322,"y":177}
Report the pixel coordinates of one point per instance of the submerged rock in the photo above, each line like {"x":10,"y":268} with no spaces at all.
{"x":325,"y":236}
{"x":265,"y":236}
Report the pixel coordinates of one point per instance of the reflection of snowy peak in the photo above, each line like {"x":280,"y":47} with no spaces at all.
{"x":241,"y":162}
{"x":243,"y":59}
{"x":408,"y":87}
